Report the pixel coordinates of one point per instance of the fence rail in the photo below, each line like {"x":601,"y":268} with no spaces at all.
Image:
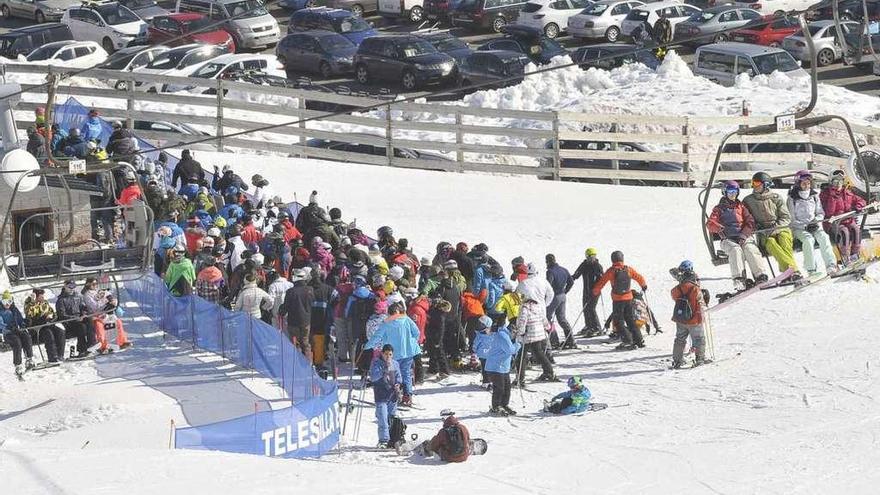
{"x":449,"y":137}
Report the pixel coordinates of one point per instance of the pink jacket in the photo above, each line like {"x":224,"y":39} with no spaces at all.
{"x":838,"y":201}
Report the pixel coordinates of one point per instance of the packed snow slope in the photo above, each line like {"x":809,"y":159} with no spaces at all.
{"x":789,"y":407}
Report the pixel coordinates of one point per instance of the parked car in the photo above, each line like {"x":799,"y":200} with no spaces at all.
{"x":221,"y":67}
{"x":854,"y":41}
{"x":372,"y":149}
{"x":769,"y":31}
{"x":295,"y":5}
{"x":131,"y":58}
{"x":821,"y":154}
{"x":77,"y":54}
{"x":176,"y":60}
{"x":356,"y":7}
{"x":343,"y":22}
{"x":145,"y":9}
{"x":612,"y":55}
{"x":319,"y":51}
{"x":828,"y":47}
{"x":673,"y":11}
{"x":494,"y":68}
{"x":38,"y":11}
{"x":713,"y":25}
{"x":247,"y":21}
{"x":25,"y":40}
{"x":439,"y":10}
{"x":408,"y":59}
{"x":776,"y":7}
{"x":722,"y":62}
{"x":186,"y":132}
{"x":607,"y":164}
{"x":601,"y":20}
{"x":412,"y":10}
{"x":486,"y":14}
{"x":185,"y":28}
{"x":850,"y":10}
{"x":112,"y":25}
{"x":550,"y":16}
{"x":446,"y":43}
{"x":530,"y":42}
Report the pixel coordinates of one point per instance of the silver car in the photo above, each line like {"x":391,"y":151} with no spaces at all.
{"x":38,"y":10}
{"x":357,"y":7}
{"x":713,"y":25}
{"x":828,"y":50}
{"x":601,"y":20}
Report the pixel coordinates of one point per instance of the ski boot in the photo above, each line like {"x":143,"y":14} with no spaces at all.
{"x":406,"y":401}
{"x":497,"y":411}
{"x":509,"y":411}
{"x":548,"y":378}
{"x":676,"y":365}
{"x":29,"y":363}
{"x":19,"y":370}
{"x":623,"y":346}
{"x":760,"y":279}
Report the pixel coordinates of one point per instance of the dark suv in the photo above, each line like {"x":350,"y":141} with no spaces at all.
{"x":529,"y":41}
{"x":486,"y":14}
{"x":343,"y":22}
{"x":495,"y":69}
{"x":446,"y":43}
{"x":405,"y":58}
{"x":319,"y":51}
{"x":27,"y":39}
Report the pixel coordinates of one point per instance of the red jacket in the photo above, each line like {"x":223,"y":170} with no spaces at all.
{"x":129,"y":194}
{"x":838,"y":201}
{"x":609,"y":275}
{"x":290,"y":232}
{"x":418,"y":311}
{"x":250,"y":235}
{"x":440,"y":442}
{"x":472,"y":306}
{"x":731,"y":219}
{"x":694,"y":293}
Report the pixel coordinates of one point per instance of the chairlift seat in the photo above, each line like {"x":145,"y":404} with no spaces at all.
{"x":38,"y":267}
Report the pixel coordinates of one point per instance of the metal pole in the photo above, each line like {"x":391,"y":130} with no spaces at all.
{"x":219,"y":110}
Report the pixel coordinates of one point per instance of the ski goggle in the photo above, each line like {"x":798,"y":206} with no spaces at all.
{"x":756,"y":183}
{"x":6,"y":302}
{"x":837,"y":180}
{"x":731,"y":190}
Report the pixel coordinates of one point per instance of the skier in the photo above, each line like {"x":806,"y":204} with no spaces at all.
{"x":39,"y":313}
{"x":386,"y":379}
{"x":496,"y":348}
{"x":591,"y":270}
{"x":837,"y":199}
{"x":252,"y":299}
{"x":181,"y":274}
{"x":806,"y":216}
{"x":402,"y":334}
{"x":297,"y":308}
{"x":574,"y":400}
{"x":772,"y":219}
{"x":561,"y":282}
{"x":70,"y":306}
{"x":15,"y":334}
{"x":621,"y":276}
{"x":688,"y":315}
{"x":530,"y":331}
{"x":435,"y":342}
{"x":731,"y":220}
{"x":92,"y":128}
{"x":452,"y":442}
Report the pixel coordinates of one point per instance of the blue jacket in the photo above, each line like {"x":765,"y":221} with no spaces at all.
{"x":231,"y":211}
{"x":11,"y":316}
{"x":75,"y":147}
{"x":92,"y":129}
{"x":559,"y":279}
{"x":579,"y":400}
{"x":57,"y":137}
{"x":494,"y":293}
{"x":361,"y":292}
{"x":481,"y":279}
{"x":384,"y":377}
{"x":399,"y":331}
{"x":497,"y":349}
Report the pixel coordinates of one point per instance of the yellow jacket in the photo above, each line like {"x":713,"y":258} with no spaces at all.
{"x":509,"y":304}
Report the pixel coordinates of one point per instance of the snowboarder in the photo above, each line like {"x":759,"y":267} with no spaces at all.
{"x":15,"y":334}
{"x":621,"y":277}
{"x":451,"y":442}
{"x":402,"y":333}
{"x":561,"y":282}
{"x":733,"y":222}
{"x":297,"y":308}
{"x":806,"y":216}
{"x":837,"y":199}
{"x":39,"y":313}
{"x":496,"y":348}
{"x":772,"y":219}
{"x":688,"y":315}
{"x":530,"y":331}
{"x":70,"y":306}
{"x":591,"y":271}
{"x":386,"y":379}
{"x":574,"y":400}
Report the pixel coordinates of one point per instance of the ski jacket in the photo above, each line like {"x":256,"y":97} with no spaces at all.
{"x":251,"y":236}
{"x":399,"y":331}
{"x":471,"y":306}
{"x":609,"y":275}
{"x":121,"y":142}
{"x":90,"y":299}
{"x":591,"y":271}
{"x":252,"y":299}
{"x":494,"y":293}
{"x":310,"y":217}
{"x":373,"y":323}
{"x":321,"y":317}
{"x":297,"y":305}
{"x":441,"y":445}
{"x":324,"y":259}
{"x":731,"y":219}
{"x":11,"y":318}
{"x":290,"y":232}
{"x":186,"y":169}
{"x":509,"y":304}
{"x":236,"y":248}
{"x":361,"y":297}
{"x":693,"y":293}
{"x":91,"y":129}
{"x":277,"y":290}
{"x":580,"y":400}
{"x":386,"y":379}
{"x":130,"y":194}
{"x":560,"y":279}
{"x":38,"y":312}
{"x":838,"y":201}
{"x":75,"y":146}
{"x":465,"y":265}
{"x":69,"y":305}
{"x":180,"y":276}
{"x":804,"y":211}
{"x":449,"y":292}
{"x":480,"y":281}
{"x":768,"y":209}
{"x":497,"y":349}
{"x":344,"y":291}
{"x":531,"y":324}
{"x":418,"y":312}
{"x":535,"y":289}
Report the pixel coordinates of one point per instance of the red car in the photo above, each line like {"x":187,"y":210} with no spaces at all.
{"x":767,"y":33}
{"x":184,"y":29}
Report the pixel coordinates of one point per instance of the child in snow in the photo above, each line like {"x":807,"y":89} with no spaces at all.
{"x":496,"y":349}
{"x":386,"y":378}
{"x":575,"y":400}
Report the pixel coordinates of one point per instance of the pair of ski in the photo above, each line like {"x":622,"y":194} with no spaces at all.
{"x":739,"y":296}
{"x":856,"y":268}
{"x":38,"y":367}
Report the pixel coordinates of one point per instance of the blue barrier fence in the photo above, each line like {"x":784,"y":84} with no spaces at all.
{"x":308,"y":428}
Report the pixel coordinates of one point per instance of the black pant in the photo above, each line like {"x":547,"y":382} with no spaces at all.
{"x":625,"y":321}
{"x":84,"y":333}
{"x":19,"y":340}
{"x":437,"y":360}
{"x":537,"y":350}
{"x":500,"y":388}
{"x":54,"y":340}
{"x":454,"y":341}
{"x":557,"y":308}
{"x":418,"y":370}
{"x":591,"y":318}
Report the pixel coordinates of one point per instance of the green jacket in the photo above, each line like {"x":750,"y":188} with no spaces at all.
{"x":768,"y":209}
{"x":176,"y":271}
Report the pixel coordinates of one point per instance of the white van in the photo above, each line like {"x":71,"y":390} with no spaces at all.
{"x":674,"y":11}
{"x":722,"y":62}
{"x":414,"y":10}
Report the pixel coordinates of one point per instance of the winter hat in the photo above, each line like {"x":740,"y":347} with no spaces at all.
{"x":484,"y":323}
{"x":345,"y":241}
{"x":396,"y":272}
{"x":424,"y":261}
{"x":117,"y":124}
{"x":335,"y":213}
{"x":410,"y":293}
{"x":591,"y":252}
{"x":395,"y":297}
{"x":220,"y":222}
{"x":211,"y":274}
{"x":213,"y":232}
{"x":531,"y":270}
{"x":93,"y":113}
{"x":326,"y":245}
{"x":519,"y":260}
{"x":461,"y":247}
{"x":481,"y":247}
{"x":185,"y":154}
{"x":450,"y":265}
{"x":380,"y":308}
{"x":507,"y":285}
{"x":227,"y":168}
{"x":374,"y":250}
{"x":207,"y":242}
{"x":550,"y":259}
{"x":258,"y":259}
{"x":297,"y":275}
{"x":617,"y":256}
{"x":402,"y":244}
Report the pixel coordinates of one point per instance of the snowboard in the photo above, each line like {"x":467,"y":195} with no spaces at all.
{"x":477,"y":446}
{"x":739,"y":296}
{"x":592,"y":407}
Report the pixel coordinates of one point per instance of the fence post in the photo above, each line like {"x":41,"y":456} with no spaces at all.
{"x":389,"y":149}
{"x":686,"y":144}
{"x":615,"y":163}
{"x":192,"y":319}
{"x":220,"y":130}
{"x":557,"y":163}
{"x":459,"y":140}
{"x":129,"y":103}
{"x":222,"y":332}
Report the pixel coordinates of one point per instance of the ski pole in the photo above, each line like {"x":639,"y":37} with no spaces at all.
{"x":350,"y":384}
{"x":570,"y":335}
{"x":521,"y":373}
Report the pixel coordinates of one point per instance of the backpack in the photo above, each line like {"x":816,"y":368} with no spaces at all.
{"x":396,"y":431}
{"x":683,"y":311}
{"x":361,"y":309}
{"x":455,"y":439}
{"x":620,"y":283}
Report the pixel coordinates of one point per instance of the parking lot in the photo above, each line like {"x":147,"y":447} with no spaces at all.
{"x":837,"y":74}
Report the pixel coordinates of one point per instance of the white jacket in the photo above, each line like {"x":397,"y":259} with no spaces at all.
{"x":537,"y":289}
{"x":531,"y":324}
{"x":277,"y":290}
{"x":251,"y":299}
{"x":238,"y":247}
{"x":805,"y":211}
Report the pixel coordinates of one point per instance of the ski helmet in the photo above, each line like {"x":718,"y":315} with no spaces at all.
{"x":575,"y":382}
{"x":838,"y":178}
{"x":762,"y":179}
{"x":730,"y":187}
{"x":617,"y":256}
{"x":179,"y":251}
{"x":591,"y":252}
{"x":801,"y":176}
{"x":686,"y":266}
{"x":385,"y":231}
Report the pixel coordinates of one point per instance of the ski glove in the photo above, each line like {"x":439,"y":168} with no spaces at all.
{"x":812,"y":228}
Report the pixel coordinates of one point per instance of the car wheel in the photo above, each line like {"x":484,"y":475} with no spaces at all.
{"x":357,"y":9}
{"x":498,"y":23}
{"x":4,"y":11}
{"x":324,"y":69}
{"x":408,"y":81}
{"x":416,"y":14}
{"x":825,"y":57}
{"x":40,"y":17}
{"x":846,"y":16}
{"x":107,"y":43}
{"x":121,"y":85}
{"x":551,"y":30}
{"x":612,"y":34}
{"x":361,"y":74}
{"x":720,"y":38}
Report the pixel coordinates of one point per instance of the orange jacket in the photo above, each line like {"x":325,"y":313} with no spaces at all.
{"x":471,"y":305}
{"x":694,"y":293}
{"x":609,"y":275}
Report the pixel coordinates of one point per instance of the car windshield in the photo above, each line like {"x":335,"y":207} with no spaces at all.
{"x":637,"y":15}
{"x":595,"y":9}
{"x":701,"y":17}
{"x":814,"y":30}
{"x":6,"y":43}
{"x":198,"y":25}
{"x":781,"y":61}
{"x":208,"y":70}
{"x":351,"y":25}
{"x":168,"y":60}
{"x":333,"y":43}
{"x":118,"y":60}
{"x":551,"y":46}
{"x":246,"y":8}
{"x":447,"y":44}
{"x":42,"y":53}
{"x":115,"y":14}
{"x":415,"y":47}
{"x":140,"y":4}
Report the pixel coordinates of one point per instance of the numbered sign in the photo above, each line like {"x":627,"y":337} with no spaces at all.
{"x":785,"y":123}
{"x":50,"y":247}
{"x":77,"y":166}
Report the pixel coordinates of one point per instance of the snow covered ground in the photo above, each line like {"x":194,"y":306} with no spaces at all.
{"x":790,"y":406}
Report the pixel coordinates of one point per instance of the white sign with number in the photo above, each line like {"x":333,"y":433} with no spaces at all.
{"x":785,"y":123}
{"x":77,"y":166}
{"x":50,"y":247}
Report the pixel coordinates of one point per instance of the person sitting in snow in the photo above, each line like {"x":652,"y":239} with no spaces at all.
{"x":574,"y":400}
{"x":451,"y":443}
